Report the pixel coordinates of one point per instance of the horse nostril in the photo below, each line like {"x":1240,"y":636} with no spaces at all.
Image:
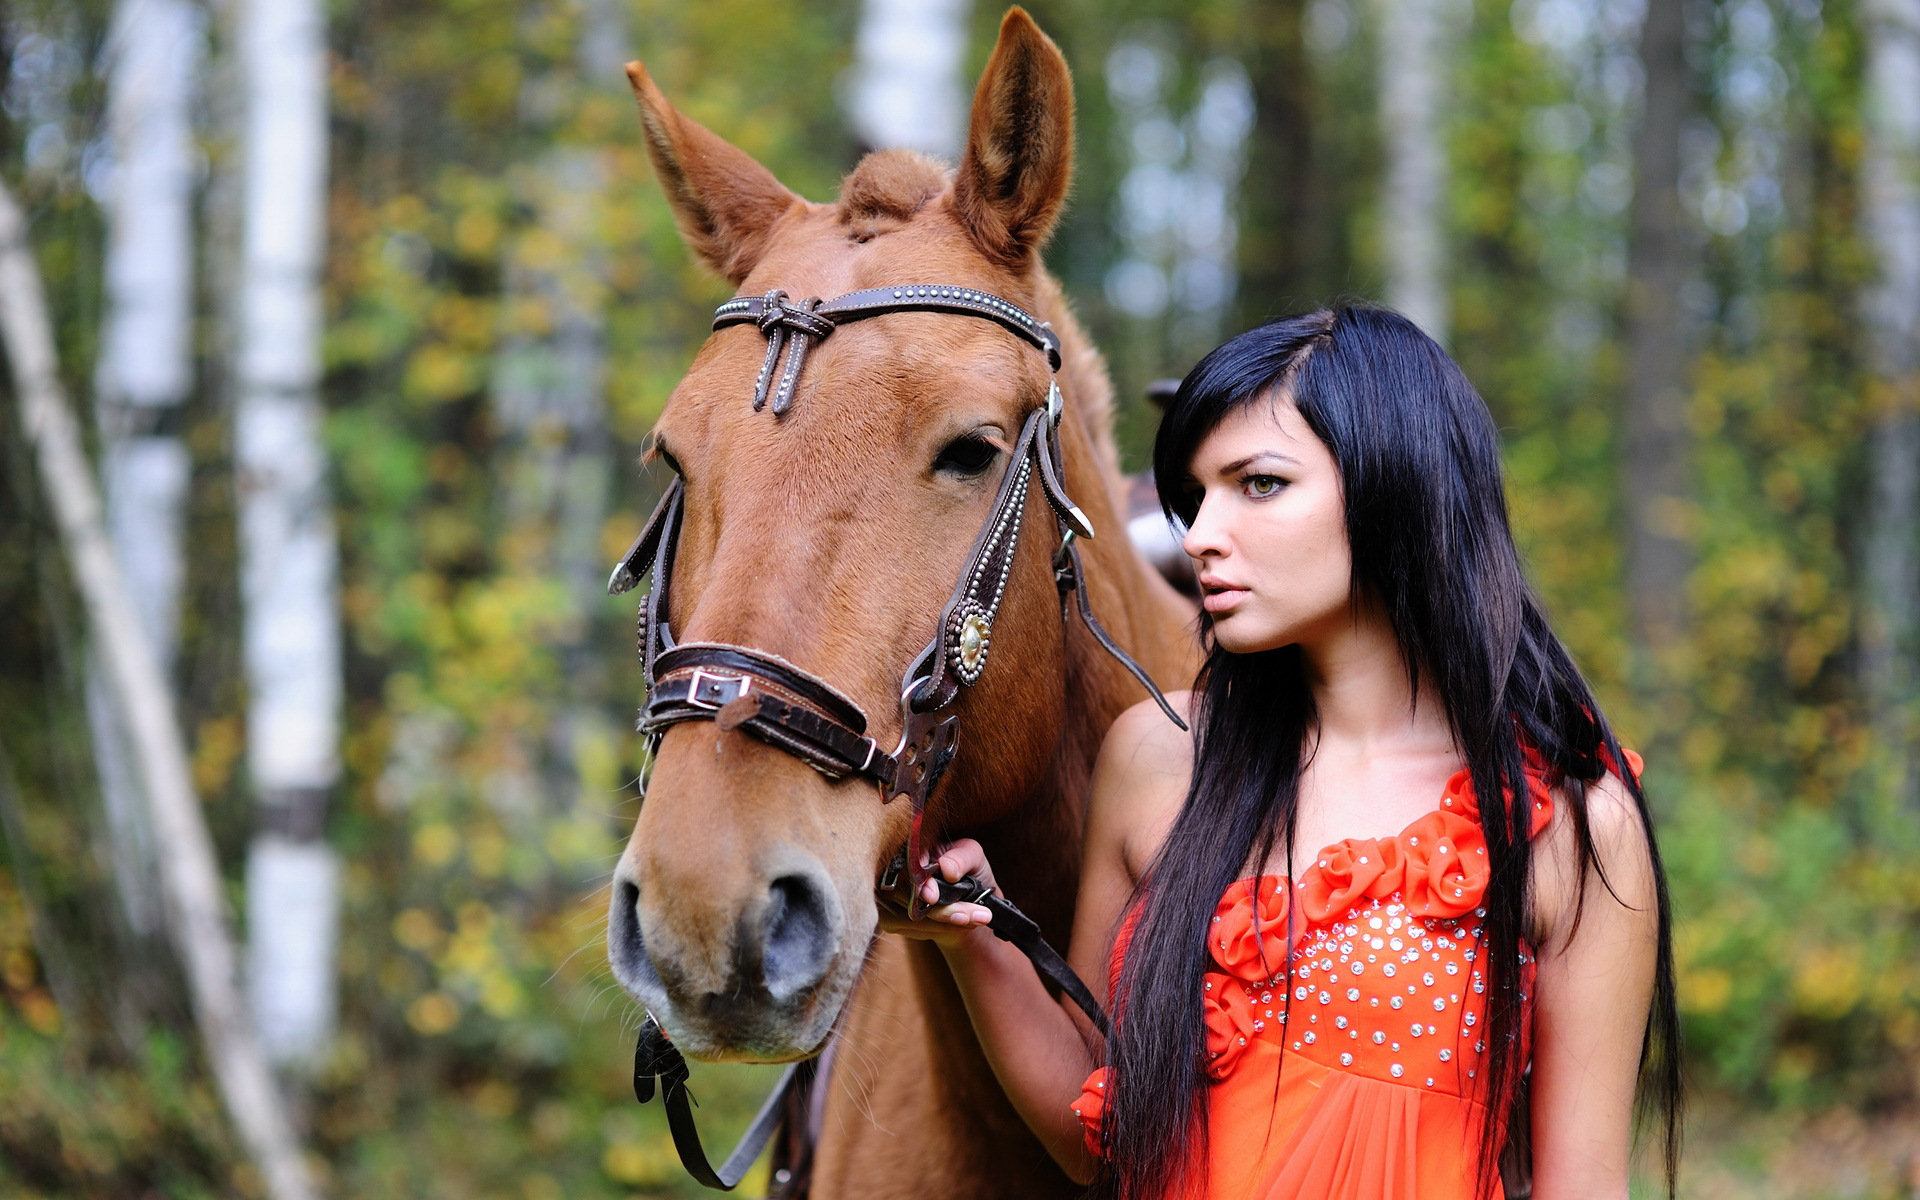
{"x":626,"y":948}
{"x":799,"y":935}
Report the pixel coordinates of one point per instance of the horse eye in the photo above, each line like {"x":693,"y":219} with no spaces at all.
{"x":969,"y":455}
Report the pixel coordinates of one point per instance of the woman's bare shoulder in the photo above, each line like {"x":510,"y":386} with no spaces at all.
{"x":1141,"y":779}
{"x":1142,"y":747}
{"x":1621,"y":874}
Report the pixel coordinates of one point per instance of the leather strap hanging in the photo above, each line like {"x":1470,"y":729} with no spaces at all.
{"x":658,"y":1065}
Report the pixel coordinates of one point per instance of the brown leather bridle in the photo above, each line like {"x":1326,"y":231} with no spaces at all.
{"x":781,"y":704}
{"x":762,"y":694}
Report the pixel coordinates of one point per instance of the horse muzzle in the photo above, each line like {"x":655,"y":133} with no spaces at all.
{"x":761,"y":983}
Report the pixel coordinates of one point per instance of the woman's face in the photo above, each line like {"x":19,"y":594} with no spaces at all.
{"x":1269,"y":539}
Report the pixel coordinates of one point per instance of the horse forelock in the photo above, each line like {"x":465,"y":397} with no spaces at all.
{"x":890,"y":184}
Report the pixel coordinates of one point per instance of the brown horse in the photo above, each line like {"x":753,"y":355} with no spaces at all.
{"x":830,"y":534}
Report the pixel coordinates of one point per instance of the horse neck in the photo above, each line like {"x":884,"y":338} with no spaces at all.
{"x":1036,"y":853}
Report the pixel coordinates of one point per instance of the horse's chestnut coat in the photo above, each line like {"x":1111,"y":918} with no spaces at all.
{"x":743,"y":909}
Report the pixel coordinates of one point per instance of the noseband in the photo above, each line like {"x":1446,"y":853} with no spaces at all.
{"x":761,"y":694}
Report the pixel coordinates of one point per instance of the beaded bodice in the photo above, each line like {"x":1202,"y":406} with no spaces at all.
{"x":1385,"y":954}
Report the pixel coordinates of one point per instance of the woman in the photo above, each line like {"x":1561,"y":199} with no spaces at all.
{"x":1307,"y":1002}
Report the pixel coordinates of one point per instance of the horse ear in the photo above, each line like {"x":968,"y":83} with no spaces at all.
{"x":724,"y":202}
{"x":1019,"y":157}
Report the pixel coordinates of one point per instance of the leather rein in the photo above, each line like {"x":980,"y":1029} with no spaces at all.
{"x":791,"y":709}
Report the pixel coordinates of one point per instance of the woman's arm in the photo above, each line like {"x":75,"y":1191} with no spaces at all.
{"x":1593,"y":990}
{"x":1040,"y":1049}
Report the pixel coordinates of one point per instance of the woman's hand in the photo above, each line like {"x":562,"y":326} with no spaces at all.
{"x":944,"y":923}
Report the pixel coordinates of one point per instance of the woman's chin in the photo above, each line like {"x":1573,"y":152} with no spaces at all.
{"x":1244,"y":637}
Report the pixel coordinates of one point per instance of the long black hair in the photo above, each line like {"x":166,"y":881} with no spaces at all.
{"x":1426,"y":520}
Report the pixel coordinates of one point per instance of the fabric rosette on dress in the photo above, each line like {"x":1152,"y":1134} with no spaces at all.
{"x":1345,"y":1022}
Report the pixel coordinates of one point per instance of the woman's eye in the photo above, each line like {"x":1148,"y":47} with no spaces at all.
{"x":1264,"y":485}
{"x":968,"y":455}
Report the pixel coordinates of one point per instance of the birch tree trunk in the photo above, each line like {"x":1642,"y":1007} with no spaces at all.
{"x":1413,"y":233}
{"x":906,"y":89}
{"x":288,"y":553}
{"x":190,"y":880}
{"x":144,"y":374}
{"x":1891,"y":214}
{"x":1655,"y":479}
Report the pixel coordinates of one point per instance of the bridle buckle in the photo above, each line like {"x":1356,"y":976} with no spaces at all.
{"x":716,"y":683}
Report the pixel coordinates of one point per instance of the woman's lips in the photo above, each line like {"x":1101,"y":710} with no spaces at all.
{"x":1221,"y":599}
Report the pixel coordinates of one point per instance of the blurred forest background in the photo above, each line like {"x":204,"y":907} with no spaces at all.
{"x":367,"y":337}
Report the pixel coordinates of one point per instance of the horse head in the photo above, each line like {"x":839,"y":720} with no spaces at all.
{"x":827,"y":529}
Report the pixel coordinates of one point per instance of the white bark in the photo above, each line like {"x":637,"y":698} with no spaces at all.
{"x":905,"y":89}
{"x":145,"y":370}
{"x":288,"y":555}
{"x":196,"y":918}
{"x":1413,"y":38}
{"x":1891,"y":214}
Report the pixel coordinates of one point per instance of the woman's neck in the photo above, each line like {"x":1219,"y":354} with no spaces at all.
{"x":1362,"y":695}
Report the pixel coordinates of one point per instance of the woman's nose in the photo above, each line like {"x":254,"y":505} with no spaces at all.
{"x":1204,"y":533}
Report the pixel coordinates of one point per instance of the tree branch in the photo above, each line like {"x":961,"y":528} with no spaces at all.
{"x":190,"y":881}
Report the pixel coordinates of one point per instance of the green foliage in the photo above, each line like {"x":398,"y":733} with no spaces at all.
{"x":489,"y":186}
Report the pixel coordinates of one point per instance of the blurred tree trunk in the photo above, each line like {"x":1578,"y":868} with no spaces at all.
{"x":549,"y":403}
{"x":1413,"y":56}
{"x":1891,"y":214}
{"x":1657,"y":444}
{"x":144,"y":374}
{"x":288,"y":553}
{"x":1282,"y":257}
{"x":907,"y":90}
{"x":190,"y":877}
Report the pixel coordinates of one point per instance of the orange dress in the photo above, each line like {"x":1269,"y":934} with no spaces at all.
{"x":1366,"y":1086}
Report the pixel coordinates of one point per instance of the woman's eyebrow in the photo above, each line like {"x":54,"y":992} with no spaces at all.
{"x":1240,"y":464}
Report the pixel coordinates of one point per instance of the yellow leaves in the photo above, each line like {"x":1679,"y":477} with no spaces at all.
{"x":215,"y":751}
{"x":502,"y":997}
{"x":539,"y":1185}
{"x":416,"y":929}
{"x":439,"y":372}
{"x":541,"y":250}
{"x":1828,"y":979}
{"x":404,"y":212}
{"x":435,"y":845}
{"x":476,"y":233}
{"x":487,"y":852}
{"x":636,"y":1165}
{"x":1705,"y":992}
{"x":433,"y":1014}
